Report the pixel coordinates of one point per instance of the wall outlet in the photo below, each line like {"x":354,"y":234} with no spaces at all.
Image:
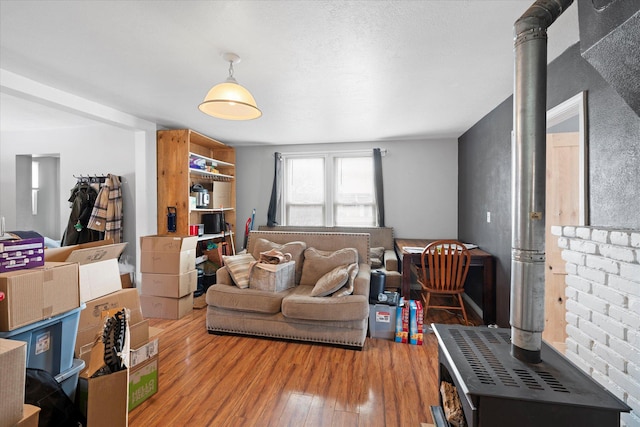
{"x":488,"y":216}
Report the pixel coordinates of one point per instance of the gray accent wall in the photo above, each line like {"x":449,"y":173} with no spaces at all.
{"x":484,"y":156}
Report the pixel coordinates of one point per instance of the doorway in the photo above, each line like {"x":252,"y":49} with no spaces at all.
{"x":565,"y":204}
{"x":37,"y":194}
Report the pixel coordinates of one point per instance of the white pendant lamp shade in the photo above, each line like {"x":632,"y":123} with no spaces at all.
{"x":229,"y":100}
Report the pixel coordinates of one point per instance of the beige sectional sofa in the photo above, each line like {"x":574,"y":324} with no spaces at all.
{"x":293,"y":313}
{"x":380,"y":237}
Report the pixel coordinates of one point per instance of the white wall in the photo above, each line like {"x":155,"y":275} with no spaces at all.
{"x":95,"y":150}
{"x":603,"y":308}
{"x":119,"y":143}
{"x":420,"y":184}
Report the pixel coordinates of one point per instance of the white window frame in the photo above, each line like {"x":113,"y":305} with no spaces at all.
{"x":329,"y":181}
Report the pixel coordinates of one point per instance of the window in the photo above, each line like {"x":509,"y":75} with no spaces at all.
{"x":35,"y":184}
{"x":329,"y":189}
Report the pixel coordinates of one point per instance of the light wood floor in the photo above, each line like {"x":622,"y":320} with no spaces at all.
{"x":211,"y":380}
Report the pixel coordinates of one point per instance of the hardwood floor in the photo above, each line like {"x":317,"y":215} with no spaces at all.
{"x":211,"y":380}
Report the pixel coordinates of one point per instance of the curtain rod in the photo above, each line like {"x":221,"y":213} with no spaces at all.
{"x":383,"y":152}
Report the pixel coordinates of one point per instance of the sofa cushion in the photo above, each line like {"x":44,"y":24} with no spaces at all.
{"x":376,"y":255}
{"x":317,"y":263}
{"x":299,"y":304}
{"x":331,"y":282}
{"x":347,"y":288}
{"x":390,"y":260}
{"x":296,"y":249}
{"x":251,"y":300}
{"x":239,"y":267}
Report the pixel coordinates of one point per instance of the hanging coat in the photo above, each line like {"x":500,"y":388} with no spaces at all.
{"x":107,"y":211}
{"x":82,"y":199}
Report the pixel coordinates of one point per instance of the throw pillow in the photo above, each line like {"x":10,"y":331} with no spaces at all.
{"x":377,"y":256}
{"x":347,"y":289}
{"x":296,"y":249}
{"x":317,"y":263}
{"x":331,"y":282}
{"x":239,"y":267}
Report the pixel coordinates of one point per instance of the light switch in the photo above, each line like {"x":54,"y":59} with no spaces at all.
{"x":488,"y":216}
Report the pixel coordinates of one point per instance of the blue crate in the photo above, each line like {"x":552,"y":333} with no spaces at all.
{"x":68,"y":379}
{"x":50,"y":342}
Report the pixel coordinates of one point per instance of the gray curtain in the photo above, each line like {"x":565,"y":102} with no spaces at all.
{"x":377,"y":176}
{"x":274,"y":203}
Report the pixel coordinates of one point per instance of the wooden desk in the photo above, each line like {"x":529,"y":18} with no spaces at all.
{"x":479,"y":258}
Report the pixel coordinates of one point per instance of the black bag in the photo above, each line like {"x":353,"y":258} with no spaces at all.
{"x":56,"y":408}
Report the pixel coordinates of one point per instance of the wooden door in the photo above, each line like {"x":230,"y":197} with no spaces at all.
{"x":562,"y":208}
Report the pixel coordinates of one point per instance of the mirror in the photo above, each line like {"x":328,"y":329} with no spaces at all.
{"x":568,"y":117}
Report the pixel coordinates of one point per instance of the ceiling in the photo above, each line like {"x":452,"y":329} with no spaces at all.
{"x":320,"y":71}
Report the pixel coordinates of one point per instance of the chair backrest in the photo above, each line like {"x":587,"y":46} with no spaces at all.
{"x":445,"y":264}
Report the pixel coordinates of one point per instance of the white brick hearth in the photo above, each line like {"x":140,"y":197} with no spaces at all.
{"x":603,"y":308}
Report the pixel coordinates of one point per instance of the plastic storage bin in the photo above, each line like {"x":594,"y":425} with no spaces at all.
{"x":50,"y":342}
{"x":382,"y":321}
{"x":68,"y":379}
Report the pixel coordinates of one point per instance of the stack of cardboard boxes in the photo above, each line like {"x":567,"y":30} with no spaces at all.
{"x":101,"y":292}
{"x":169,"y":275}
{"x":56,"y":300}
{"x":39,"y":311}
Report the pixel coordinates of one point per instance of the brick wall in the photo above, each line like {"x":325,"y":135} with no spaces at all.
{"x":603,"y":308}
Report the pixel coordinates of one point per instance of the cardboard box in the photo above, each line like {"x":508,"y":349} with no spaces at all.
{"x":415,"y":322}
{"x":382,"y":321}
{"x":168,"y":254}
{"x":143,"y":370}
{"x":125,"y":281}
{"x":168,"y":262}
{"x":91,"y":322}
{"x":31,"y":416}
{"x":402,"y":321}
{"x":100,"y":407}
{"x":273,"y":277}
{"x":139,"y":332}
{"x":221,"y":195}
{"x":169,"y":285}
{"x":143,"y":382}
{"x":36,"y":294}
{"x":143,"y":353}
{"x":99,"y":274}
{"x":166,"y":308}
{"x":20,"y":254}
{"x":13,"y":361}
{"x":167,"y":243}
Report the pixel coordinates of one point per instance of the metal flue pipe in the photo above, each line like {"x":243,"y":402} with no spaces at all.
{"x":528,"y":177}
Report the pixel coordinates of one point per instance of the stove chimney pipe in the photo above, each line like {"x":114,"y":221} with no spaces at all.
{"x":528,"y":177}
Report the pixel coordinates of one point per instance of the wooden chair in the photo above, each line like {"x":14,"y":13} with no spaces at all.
{"x":445,"y":264}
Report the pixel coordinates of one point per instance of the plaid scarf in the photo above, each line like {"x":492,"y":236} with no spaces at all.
{"x":107,"y":210}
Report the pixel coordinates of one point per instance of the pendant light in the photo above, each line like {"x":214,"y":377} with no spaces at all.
{"x":229,"y":100}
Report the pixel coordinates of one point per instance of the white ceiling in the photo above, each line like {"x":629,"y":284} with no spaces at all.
{"x":320,"y":71}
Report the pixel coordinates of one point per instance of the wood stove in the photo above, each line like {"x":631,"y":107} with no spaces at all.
{"x":497,"y":389}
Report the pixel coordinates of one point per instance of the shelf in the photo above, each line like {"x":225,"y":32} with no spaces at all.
{"x":211,"y":210}
{"x":214,"y":162}
{"x":217,"y":176}
{"x":212,"y":236}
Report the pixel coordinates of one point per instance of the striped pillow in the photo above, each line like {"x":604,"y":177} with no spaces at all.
{"x":239,"y":267}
